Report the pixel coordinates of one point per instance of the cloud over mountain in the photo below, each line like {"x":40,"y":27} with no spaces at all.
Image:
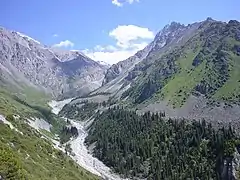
{"x":129,"y":39}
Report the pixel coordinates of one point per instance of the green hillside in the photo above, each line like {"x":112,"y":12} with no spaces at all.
{"x":207,"y":64}
{"x":27,"y":155}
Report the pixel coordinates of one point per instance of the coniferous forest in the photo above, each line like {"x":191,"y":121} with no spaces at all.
{"x":153,"y":147}
{"x":67,"y":133}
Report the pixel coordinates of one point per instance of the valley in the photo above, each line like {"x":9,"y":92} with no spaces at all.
{"x":82,"y":156}
{"x":170,"y":111}
{"x":186,"y":83}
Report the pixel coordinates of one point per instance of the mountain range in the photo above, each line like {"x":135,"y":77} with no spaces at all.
{"x":182,"y":60}
{"x":159,"y":113}
{"x":187,"y":72}
{"x":26,"y":62}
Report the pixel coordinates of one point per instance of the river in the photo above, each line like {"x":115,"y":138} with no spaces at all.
{"x":81,"y":153}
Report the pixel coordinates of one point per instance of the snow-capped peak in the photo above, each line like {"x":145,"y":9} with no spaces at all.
{"x":29,"y":38}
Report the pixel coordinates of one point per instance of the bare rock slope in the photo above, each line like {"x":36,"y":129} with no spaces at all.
{"x":61,"y":73}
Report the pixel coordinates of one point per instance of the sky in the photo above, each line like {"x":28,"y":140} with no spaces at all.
{"x":107,"y":30}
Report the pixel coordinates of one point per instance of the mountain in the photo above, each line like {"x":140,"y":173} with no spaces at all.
{"x":121,"y":75}
{"x":25,"y":61}
{"x":31,"y":75}
{"x":205,"y":64}
{"x":171,"y":111}
{"x":189,"y":71}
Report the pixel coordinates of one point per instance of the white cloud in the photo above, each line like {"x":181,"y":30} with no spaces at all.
{"x":140,"y":45}
{"x":115,"y":2}
{"x":55,"y":35}
{"x":105,"y":48}
{"x":132,"y":1}
{"x":126,"y":34}
{"x":65,"y":43}
{"x":129,"y":40}
{"x":110,"y":57}
{"x":120,"y":3}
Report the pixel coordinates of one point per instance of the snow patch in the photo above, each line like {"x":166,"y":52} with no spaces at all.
{"x":38,"y":124}
{"x":29,"y":38}
{"x":58,"y":105}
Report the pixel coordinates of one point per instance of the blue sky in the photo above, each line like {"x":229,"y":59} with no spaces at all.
{"x":108,"y":30}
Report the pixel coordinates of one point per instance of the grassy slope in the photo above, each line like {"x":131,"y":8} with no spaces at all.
{"x":9,"y":104}
{"x":231,"y":89}
{"x":28,"y":102}
{"x":180,"y":86}
{"x":217,"y":73}
{"x":30,"y":157}
{"x":44,"y":162}
{"x":177,"y":90}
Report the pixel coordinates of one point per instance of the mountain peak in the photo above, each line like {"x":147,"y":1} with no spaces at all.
{"x":235,"y":22}
{"x":169,"y":28}
{"x":174,"y":24}
{"x":210,"y":19}
{"x":65,"y":55}
{"x":167,"y":34}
